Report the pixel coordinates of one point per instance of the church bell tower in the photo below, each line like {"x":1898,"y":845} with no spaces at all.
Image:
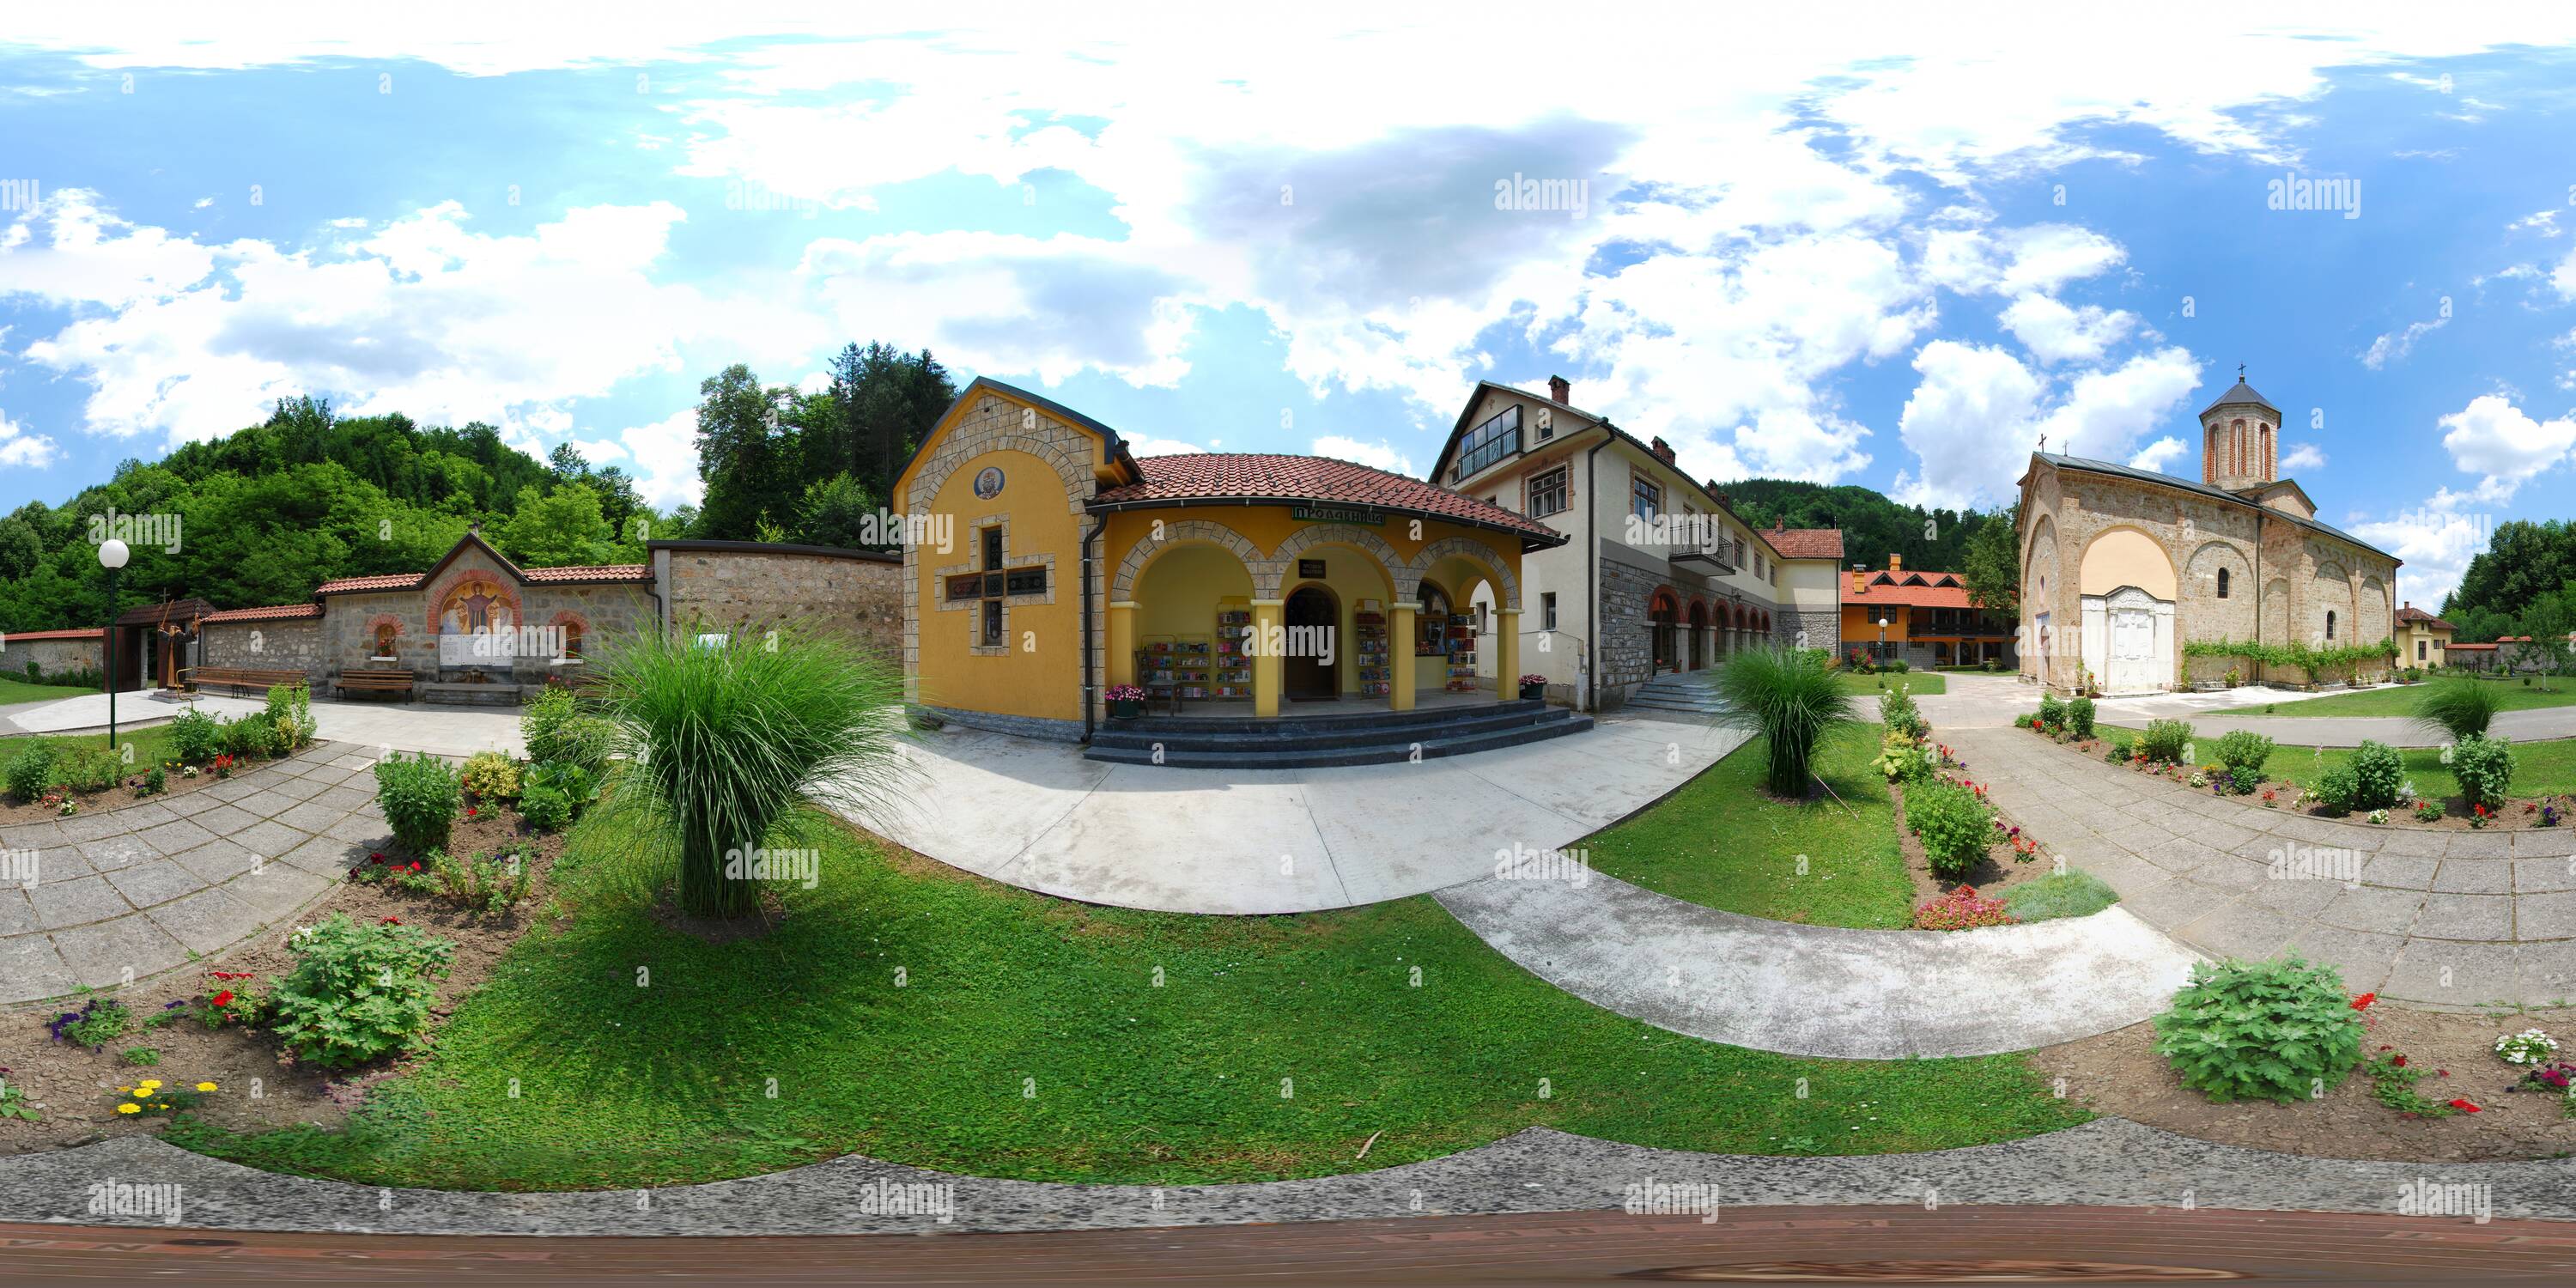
{"x":2240,"y":439}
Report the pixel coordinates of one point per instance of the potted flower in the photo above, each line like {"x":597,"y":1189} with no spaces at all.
{"x":1533,"y":686}
{"x":1126,"y":702}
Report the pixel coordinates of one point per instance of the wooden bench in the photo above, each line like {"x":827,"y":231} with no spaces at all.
{"x":374,"y":682}
{"x":242,"y":678}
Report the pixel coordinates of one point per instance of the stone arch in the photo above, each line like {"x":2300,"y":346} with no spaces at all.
{"x":978,"y":434}
{"x":2127,"y":556}
{"x":1474,"y":551}
{"x":1265,"y":575}
{"x":383,"y":634}
{"x":2370,"y":615}
{"x":1402,"y":578}
{"x":501,"y":591}
{"x":576,"y":633}
{"x":2330,"y":592}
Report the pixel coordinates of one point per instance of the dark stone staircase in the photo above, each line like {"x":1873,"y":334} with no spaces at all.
{"x":1310,"y":741}
{"x":1691,"y":693}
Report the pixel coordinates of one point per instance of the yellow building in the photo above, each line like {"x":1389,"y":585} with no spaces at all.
{"x":1046,"y":563}
{"x":2422,"y":638}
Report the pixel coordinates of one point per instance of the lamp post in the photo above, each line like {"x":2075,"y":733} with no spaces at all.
{"x":1883,"y":620}
{"x":112,"y":555}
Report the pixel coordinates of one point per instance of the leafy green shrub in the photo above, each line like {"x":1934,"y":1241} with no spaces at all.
{"x":2119,"y":751}
{"x":733,"y":742}
{"x":544,"y":720}
{"x":31,"y":771}
{"x":87,"y":769}
{"x":2079,"y":717}
{"x":2277,"y":1030}
{"x":251,"y":737}
{"x":155,"y":781}
{"x":2052,"y":712}
{"x":556,"y":731}
{"x":2244,"y":749}
{"x":290,"y":713}
{"x":1897,"y":711}
{"x":2484,"y":767}
{"x":576,"y":783}
{"x":1793,"y":702}
{"x":419,"y":797}
{"x":491,"y":776}
{"x":1956,"y":827}
{"x":2060,"y":894}
{"x":2458,"y":709}
{"x":2166,"y":740}
{"x":357,"y":992}
{"x":195,"y":737}
{"x":1897,"y":664}
{"x":2245,"y":782}
{"x":2339,"y":788}
{"x":99,"y":1021}
{"x":1903,"y":759}
{"x":2378,"y":775}
{"x":547,"y":809}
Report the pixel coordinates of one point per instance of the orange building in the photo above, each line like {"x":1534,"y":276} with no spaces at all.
{"x":1923,"y":617}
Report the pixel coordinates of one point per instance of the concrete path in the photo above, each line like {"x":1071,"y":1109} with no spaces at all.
{"x":2442,"y":918}
{"x":1037,"y":815}
{"x":2109,"y":1162}
{"x":141,"y":887}
{"x":386,"y":726}
{"x":1826,"y":990}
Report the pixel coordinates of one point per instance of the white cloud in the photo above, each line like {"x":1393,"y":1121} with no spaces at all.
{"x":2156,"y":455}
{"x":2434,"y":545}
{"x":2543,"y":222}
{"x":425,"y":317}
{"x":1162,"y":447}
{"x":2397,"y":344}
{"x":2054,"y":332}
{"x":23,"y":448}
{"x":665,"y":455}
{"x":1977,"y":414}
{"x":2494,"y":439}
{"x":1378,"y":455}
{"x":2303,"y":456}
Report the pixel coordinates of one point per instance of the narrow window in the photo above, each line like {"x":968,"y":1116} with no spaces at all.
{"x":572,"y":640}
{"x":2222,"y":583}
{"x":1547,"y":610}
{"x":2329,"y":623}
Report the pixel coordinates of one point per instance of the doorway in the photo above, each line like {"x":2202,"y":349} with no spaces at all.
{"x":1305,"y":674}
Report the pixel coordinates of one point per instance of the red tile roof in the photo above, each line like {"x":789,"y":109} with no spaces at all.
{"x":2470,"y":648}
{"x":273,"y":613}
{"x":1911,"y":588}
{"x":2411,"y":613}
{"x":381,"y":581}
{"x":89,"y":633}
{"x":412,"y":580}
{"x":1806,"y":543}
{"x":1228,"y":476}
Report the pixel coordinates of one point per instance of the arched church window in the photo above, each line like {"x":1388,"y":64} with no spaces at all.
{"x":2222,"y":583}
{"x":384,"y":639}
{"x":2329,"y":623}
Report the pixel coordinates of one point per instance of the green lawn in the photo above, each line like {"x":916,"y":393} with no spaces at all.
{"x":13,"y":692}
{"x":2539,"y":768}
{"x":1917,"y":683}
{"x":2401,"y":701}
{"x":1028,"y":1037}
{"x":1721,"y":842}
{"x":151,"y":746}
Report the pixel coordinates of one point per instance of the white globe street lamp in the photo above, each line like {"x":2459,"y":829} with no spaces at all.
{"x":112,"y":555}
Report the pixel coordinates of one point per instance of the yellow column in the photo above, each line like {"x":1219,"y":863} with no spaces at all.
{"x":1268,"y":634}
{"x":1122,"y":643}
{"x":1400,"y":661}
{"x":1507,"y":653}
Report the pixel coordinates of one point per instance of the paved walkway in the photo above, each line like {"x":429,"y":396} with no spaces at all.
{"x":1037,"y":815}
{"x":440,"y":730}
{"x":2445,"y":918}
{"x":1826,"y":990}
{"x":2109,"y":1162}
{"x":1993,"y":702}
{"x":141,"y":887}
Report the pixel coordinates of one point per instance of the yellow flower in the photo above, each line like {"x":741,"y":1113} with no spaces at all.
{"x":205,"y":1086}
{"x":129,"y":1109}
{"x":149,"y":1085}
{"x":125,"y":1091}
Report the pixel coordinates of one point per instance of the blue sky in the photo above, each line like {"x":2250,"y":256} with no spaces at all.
{"x":1885,"y":251}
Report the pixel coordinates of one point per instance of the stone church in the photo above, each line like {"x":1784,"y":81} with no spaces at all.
{"x":2122,"y":567}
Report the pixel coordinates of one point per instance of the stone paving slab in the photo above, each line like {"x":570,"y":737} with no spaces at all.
{"x":2110,"y":1162}
{"x":2437,"y":918}
{"x":130,"y":892}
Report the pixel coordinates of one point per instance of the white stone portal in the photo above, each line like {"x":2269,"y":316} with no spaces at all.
{"x":2128,"y":641}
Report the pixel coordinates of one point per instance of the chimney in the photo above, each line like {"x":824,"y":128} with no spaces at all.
{"x":1896,"y":563}
{"x":1559,"y":390}
{"x":1663,"y":451}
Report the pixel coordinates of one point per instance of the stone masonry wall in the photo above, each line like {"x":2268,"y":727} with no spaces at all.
{"x":286,"y":644}
{"x":735,"y":590}
{"x":52,"y":657}
{"x":1627,"y":647}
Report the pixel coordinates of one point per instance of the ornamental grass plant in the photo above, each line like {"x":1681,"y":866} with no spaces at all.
{"x":1793,"y":700}
{"x":732,"y":741}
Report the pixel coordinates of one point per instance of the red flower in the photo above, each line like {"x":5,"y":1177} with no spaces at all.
{"x":2398,"y":1060}
{"x":2464,"y":1106}
{"x":469,"y":811}
{"x":2362,"y":1003}
{"x":375,"y":856}
{"x":224,"y":998}
{"x":390,"y":921}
